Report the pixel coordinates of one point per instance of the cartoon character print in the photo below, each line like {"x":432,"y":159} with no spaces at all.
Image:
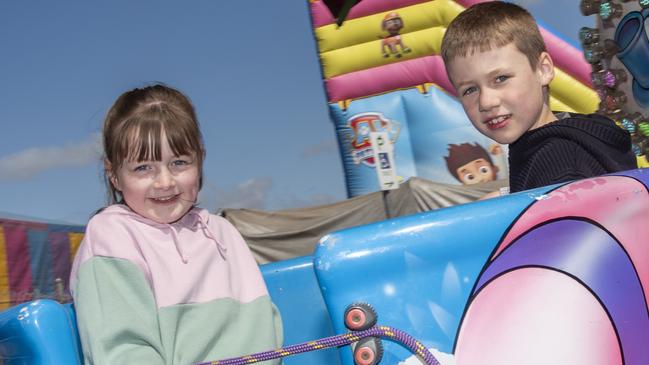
{"x":362,"y":125}
{"x":471,"y":163}
{"x":392,"y":23}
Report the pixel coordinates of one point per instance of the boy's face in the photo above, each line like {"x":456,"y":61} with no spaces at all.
{"x":501,"y":93}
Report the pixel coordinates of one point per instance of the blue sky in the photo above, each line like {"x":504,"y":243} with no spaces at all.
{"x":250,"y":67}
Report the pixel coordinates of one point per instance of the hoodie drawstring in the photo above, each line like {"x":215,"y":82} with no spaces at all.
{"x":206,"y":231}
{"x":179,"y":249}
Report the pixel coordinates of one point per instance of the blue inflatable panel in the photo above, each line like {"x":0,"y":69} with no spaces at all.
{"x":38,"y":332}
{"x":418,"y":271}
{"x":293,"y":287}
{"x":421,"y":126}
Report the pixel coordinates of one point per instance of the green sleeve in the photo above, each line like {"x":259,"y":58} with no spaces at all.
{"x":116,"y":313}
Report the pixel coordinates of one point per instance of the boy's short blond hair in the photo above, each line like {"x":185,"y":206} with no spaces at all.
{"x":485,"y":26}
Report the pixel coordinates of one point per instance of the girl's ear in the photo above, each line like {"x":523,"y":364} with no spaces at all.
{"x":545,"y":69}
{"x":108,"y":170}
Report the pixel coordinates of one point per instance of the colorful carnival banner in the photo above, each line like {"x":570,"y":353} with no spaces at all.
{"x":35,"y":260}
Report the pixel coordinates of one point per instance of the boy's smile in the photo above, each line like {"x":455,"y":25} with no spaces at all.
{"x":501,"y":93}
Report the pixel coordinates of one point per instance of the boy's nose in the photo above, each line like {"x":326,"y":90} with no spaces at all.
{"x":488,"y":100}
{"x":164,"y":179}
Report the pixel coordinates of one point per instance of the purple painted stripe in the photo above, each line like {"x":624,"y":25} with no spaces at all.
{"x":20,"y":276}
{"x":607,"y":272}
{"x":60,"y":250}
{"x":376,"y":80}
{"x":321,"y":15}
{"x":641,"y":175}
{"x":40,"y":262}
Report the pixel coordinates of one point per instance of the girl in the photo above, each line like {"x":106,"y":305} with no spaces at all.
{"x":157,"y":280}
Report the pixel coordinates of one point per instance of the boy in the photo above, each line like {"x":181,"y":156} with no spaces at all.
{"x":497,"y":61}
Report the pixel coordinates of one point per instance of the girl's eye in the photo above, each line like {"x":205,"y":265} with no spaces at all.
{"x":469,"y":90}
{"x":142,"y":168}
{"x":501,"y":78}
{"x":180,"y":162}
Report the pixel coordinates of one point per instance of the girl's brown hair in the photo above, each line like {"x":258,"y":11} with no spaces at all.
{"x":135,"y":124}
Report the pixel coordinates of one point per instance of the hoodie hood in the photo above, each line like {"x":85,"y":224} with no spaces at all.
{"x":194,"y":219}
{"x":596,"y":134}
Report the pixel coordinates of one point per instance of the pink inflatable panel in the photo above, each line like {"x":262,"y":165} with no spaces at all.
{"x":619,"y":205}
{"x":568,"y":325}
{"x":429,"y":69}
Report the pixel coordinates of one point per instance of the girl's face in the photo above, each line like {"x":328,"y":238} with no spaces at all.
{"x":162,"y":191}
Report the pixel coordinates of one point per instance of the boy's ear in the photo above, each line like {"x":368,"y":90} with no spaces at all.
{"x":108,"y":170}
{"x":545,"y":69}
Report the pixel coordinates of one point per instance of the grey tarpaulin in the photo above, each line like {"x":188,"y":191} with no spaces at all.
{"x":284,"y":234}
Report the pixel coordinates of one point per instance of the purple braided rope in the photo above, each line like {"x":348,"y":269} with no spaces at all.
{"x":335,"y":341}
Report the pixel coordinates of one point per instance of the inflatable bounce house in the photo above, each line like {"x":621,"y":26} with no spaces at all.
{"x":382,"y":72}
{"x":552,"y":275}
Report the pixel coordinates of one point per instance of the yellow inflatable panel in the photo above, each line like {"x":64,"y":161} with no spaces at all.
{"x":363,"y":56}
{"x":642,"y":161}
{"x":557,"y":105}
{"x":366,"y":29}
{"x":573,"y":93}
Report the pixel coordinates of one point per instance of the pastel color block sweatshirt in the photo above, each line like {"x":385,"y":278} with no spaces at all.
{"x":181,"y":293}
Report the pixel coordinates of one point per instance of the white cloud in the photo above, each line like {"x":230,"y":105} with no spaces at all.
{"x":252,"y":193}
{"x":255,"y":193}
{"x":26,"y":164}
{"x":322,"y":148}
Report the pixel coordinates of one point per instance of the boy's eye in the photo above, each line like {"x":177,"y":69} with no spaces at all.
{"x":501,"y":78}
{"x":485,"y":169}
{"x":469,"y":90}
{"x":469,"y":177}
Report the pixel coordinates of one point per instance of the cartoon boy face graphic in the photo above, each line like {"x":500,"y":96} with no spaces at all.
{"x":470,"y":164}
{"x":476,"y":171}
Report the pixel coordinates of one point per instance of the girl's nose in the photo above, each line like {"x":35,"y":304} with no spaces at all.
{"x":164,"y":180}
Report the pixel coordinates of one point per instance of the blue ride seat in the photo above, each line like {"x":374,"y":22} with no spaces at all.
{"x":39,"y":332}
{"x":44,"y":332}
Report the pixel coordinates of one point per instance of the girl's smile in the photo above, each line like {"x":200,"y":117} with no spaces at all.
{"x":162,"y":191}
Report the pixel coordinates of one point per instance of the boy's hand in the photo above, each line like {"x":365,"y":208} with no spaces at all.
{"x":493,"y":194}
{"x":495,"y":149}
